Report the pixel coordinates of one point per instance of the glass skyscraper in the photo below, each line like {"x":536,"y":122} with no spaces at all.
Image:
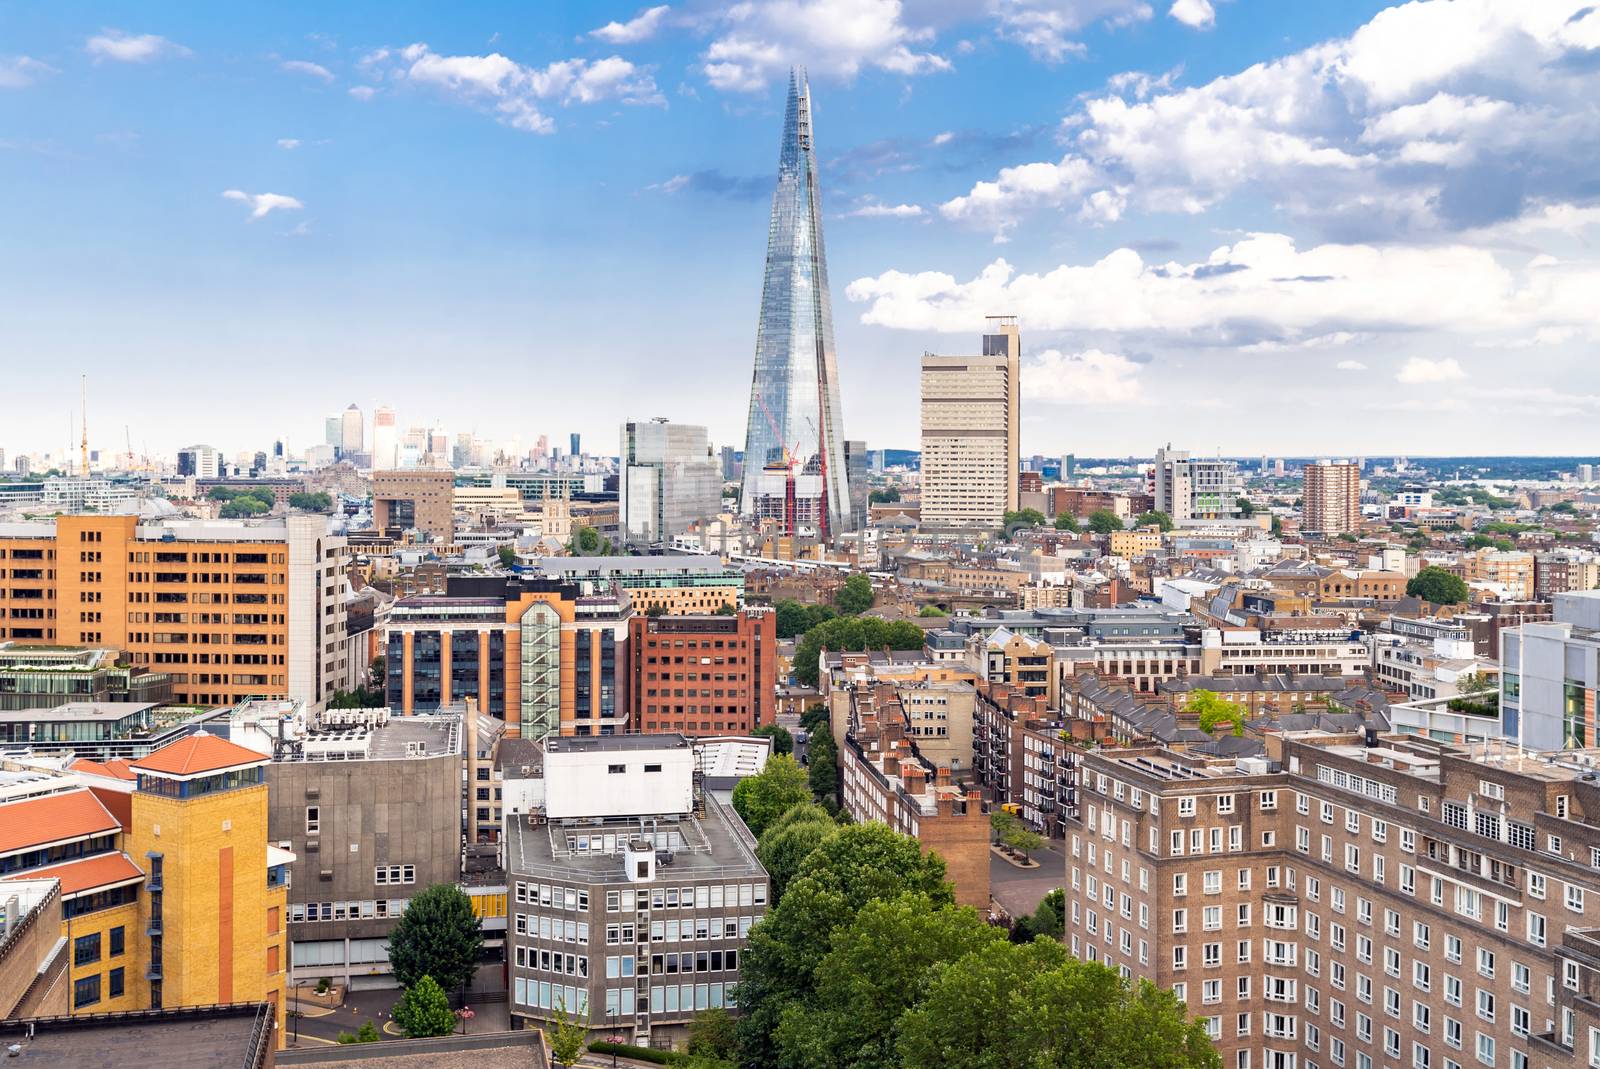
{"x":794,"y":462}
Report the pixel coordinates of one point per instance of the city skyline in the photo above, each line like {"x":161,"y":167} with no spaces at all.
{"x":304,"y":198}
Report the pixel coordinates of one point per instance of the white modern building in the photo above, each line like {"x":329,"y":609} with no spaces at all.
{"x":670,"y":480}
{"x":1186,"y":487}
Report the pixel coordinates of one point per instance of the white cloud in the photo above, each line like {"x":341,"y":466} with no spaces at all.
{"x":1198,"y":14}
{"x":363,"y":92}
{"x":514,"y":91}
{"x":131,"y":48}
{"x":1418,"y":371}
{"x":1350,"y":365}
{"x":1260,"y":287}
{"x":1368,"y":134}
{"x":641,"y":27}
{"x":885,"y":211}
{"x":1091,"y":377}
{"x":759,"y":40}
{"x":302,"y":66}
{"x":19,"y":72}
{"x":288,"y":143}
{"x":1047,"y":28}
{"x":262,"y":204}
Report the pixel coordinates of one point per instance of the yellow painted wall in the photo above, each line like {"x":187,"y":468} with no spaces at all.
{"x":131,"y":960}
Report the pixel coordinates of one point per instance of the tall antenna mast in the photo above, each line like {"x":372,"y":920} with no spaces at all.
{"x":84,"y":446}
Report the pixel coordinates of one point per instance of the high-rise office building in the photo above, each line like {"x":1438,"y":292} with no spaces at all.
{"x":669,"y":480}
{"x":333,"y":431}
{"x":200,"y":461}
{"x":385,"y":440}
{"x":1332,"y":498}
{"x":351,"y":438}
{"x":576,"y":441}
{"x":970,"y":412}
{"x":855,"y":462}
{"x":1190,"y":488}
{"x":794,"y":466}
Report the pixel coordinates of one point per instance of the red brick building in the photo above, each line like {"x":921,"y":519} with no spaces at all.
{"x":702,"y":675}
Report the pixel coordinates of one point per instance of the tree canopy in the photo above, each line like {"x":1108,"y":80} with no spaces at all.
{"x":437,"y":936}
{"x":931,"y":611}
{"x":1438,"y":586}
{"x":1022,"y":518}
{"x":789,"y":840}
{"x":761,"y":799}
{"x":782,"y":741}
{"x":1067,"y":522}
{"x":887,"y":496}
{"x":852,"y":633}
{"x":424,"y":1010}
{"x":1013,"y":834}
{"x":1104,"y":521}
{"x":311,"y":501}
{"x":1159,"y":519}
{"x":855,"y":596}
{"x":588,"y":542}
{"x":795,"y":618}
{"x":1245,"y":507}
{"x":822,"y":753}
{"x":1213,"y":710}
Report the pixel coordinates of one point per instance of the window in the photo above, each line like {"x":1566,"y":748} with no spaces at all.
{"x":117,"y":943}
{"x":313,"y":819}
{"x":116,"y":982}
{"x":86,"y":951}
{"x":86,"y":992}
{"x":616,"y":770}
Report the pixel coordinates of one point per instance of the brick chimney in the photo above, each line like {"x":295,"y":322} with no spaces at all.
{"x":915,"y":777}
{"x":941,"y":777}
{"x":891,"y":763}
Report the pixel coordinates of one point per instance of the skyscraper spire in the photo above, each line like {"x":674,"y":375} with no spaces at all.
{"x":794,"y":466}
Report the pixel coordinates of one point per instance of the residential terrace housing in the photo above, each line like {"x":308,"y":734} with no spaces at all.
{"x":884,"y":777}
{"x":1026,"y":755}
{"x":227,"y":609}
{"x":597,"y":932}
{"x":1349,"y":899}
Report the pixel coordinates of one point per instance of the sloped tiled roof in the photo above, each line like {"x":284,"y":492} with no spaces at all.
{"x":116,"y":768}
{"x":88,"y":873}
{"x":198,"y":754}
{"x":53,"y":818}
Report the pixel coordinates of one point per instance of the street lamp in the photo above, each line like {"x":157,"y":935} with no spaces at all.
{"x":616,"y":1037}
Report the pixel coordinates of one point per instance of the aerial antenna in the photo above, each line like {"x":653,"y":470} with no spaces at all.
{"x":83,"y":386}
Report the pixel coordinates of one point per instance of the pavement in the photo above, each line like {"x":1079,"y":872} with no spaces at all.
{"x":320,"y":1027}
{"x":1018,"y":891}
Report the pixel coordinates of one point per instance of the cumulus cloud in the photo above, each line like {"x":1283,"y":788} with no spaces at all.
{"x":1198,"y":14}
{"x":19,"y":72}
{"x":262,"y":204}
{"x":314,"y":70}
{"x":518,"y":93}
{"x":641,"y":27}
{"x":758,"y":40}
{"x":363,"y":92}
{"x":1350,"y":365}
{"x":1366,"y":135}
{"x":1419,"y":371}
{"x":288,"y":143}
{"x":1091,"y":377}
{"x":1261,"y":287}
{"x":885,"y":211}
{"x":132,"y":48}
{"x":1048,"y":28}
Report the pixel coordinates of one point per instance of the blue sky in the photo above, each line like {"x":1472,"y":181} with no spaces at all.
{"x":1253,"y":226}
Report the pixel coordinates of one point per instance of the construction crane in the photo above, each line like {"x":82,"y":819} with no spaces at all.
{"x":127,"y":434}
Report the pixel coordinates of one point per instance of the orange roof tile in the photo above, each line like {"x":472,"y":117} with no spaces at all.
{"x":53,"y":818}
{"x":198,"y":754}
{"x":88,"y":873}
{"x":116,"y":768}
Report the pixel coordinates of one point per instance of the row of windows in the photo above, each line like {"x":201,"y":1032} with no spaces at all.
{"x":705,"y":896}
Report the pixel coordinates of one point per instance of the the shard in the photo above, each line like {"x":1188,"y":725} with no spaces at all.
{"x":794,"y":464}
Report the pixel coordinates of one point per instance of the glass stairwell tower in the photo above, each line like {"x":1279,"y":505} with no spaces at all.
{"x":794,"y":462}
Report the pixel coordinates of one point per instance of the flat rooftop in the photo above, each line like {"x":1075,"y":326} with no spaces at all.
{"x":615,"y":743}
{"x":715,"y":846}
{"x":206,"y":1038}
{"x":79,"y":711}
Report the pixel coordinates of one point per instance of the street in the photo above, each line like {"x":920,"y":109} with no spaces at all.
{"x":1018,"y":891}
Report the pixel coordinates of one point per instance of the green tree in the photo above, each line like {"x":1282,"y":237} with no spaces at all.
{"x":1006,"y":1005}
{"x":436,"y":936}
{"x":424,"y":1010}
{"x":851,"y":633}
{"x":1438,"y":586}
{"x":1022,"y":518}
{"x":762,"y":798}
{"x":1013,"y":834}
{"x":1277,"y":525}
{"x":782,"y":741}
{"x":822,"y":765}
{"x":1048,"y":920}
{"x":859,"y":864}
{"x":856,"y":596}
{"x":1160,"y":519}
{"x":1067,"y":522}
{"x":1104,"y":521}
{"x":789,"y":840}
{"x":795,"y":618}
{"x":929,"y":612}
{"x":714,"y":1034}
{"x":887,"y":496}
{"x":1246,"y":509}
{"x":1213,"y":710}
{"x":315,"y":501}
{"x":566,"y":1036}
{"x":507,"y":555}
{"x":588,"y":542}
{"x":876,"y":968}
{"x":360,"y":698}
{"x":815,"y":718}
